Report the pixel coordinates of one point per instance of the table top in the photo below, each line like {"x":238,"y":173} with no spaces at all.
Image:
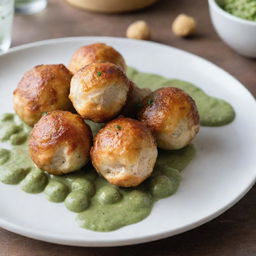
{"x":234,"y":232}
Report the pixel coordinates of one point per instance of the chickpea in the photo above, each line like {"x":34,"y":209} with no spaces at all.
{"x":184,"y":25}
{"x":138,"y":30}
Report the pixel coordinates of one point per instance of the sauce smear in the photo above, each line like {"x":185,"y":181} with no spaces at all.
{"x":99,"y":205}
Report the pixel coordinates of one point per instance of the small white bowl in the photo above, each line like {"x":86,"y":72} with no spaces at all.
{"x":239,"y":34}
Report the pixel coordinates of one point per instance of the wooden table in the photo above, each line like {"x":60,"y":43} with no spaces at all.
{"x":234,"y":232}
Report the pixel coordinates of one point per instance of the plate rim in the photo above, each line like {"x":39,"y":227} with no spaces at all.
{"x":28,"y":232}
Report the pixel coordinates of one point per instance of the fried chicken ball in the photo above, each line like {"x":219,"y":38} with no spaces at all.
{"x":60,"y":142}
{"x":99,"y":91}
{"x":124,"y":152}
{"x":172,"y":116}
{"x":42,"y":89}
{"x":92,"y":53}
{"x":134,"y":99}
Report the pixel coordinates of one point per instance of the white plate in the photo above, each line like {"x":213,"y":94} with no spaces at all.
{"x":222,"y":172}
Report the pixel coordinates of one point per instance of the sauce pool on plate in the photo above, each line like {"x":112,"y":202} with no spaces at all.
{"x":99,"y":205}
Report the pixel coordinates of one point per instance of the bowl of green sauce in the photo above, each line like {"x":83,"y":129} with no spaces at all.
{"x":235,"y":22}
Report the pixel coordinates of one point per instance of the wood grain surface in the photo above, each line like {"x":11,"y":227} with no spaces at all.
{"x":231,"y":234}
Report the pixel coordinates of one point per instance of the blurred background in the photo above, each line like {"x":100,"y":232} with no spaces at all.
{"x":61,"y":19}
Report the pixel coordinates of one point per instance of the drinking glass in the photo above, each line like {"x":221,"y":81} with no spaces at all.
{"x":6,"y":17}
{"x":29,"y":6}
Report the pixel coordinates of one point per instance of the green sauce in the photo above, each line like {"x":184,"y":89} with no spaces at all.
{"x":99,"y":205}
{"x":12,"y":175}
{"x":108,"y":195}
{"x":4,"y":155}
{"x":77,"y":201}
{"x":35,"y":181}
{"x":161,"y":186}
{"x":56,"y":191}
{"x":111,"y":209}
{"x":7,"y":129}
{"x":212,"y":111}
{"x":245,"y":9}
{"x":83,"y":184}
{"x":17,"y":139}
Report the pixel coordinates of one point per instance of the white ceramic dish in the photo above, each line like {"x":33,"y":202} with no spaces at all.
{"x":239,"y":34}
{"x":222,"y":172}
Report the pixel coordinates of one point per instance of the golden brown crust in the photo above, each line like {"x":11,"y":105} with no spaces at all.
{"x":93,"y":53}
{"x":121,"y":133}
{"x":165,"y":109}
{"x":99,"y":91}
{"x":55,"y":130}
{"x":101,"y":74}
{"x":43,"y":88}
{"x":157,"y":107}
{"x":120,"y":144}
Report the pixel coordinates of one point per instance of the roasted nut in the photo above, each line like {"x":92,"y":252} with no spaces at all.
{"x":184,"y":25}
{"x":138,"y":30}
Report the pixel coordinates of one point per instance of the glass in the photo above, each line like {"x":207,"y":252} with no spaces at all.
{"x":29,"y":6}
{"x":6,"y":17}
